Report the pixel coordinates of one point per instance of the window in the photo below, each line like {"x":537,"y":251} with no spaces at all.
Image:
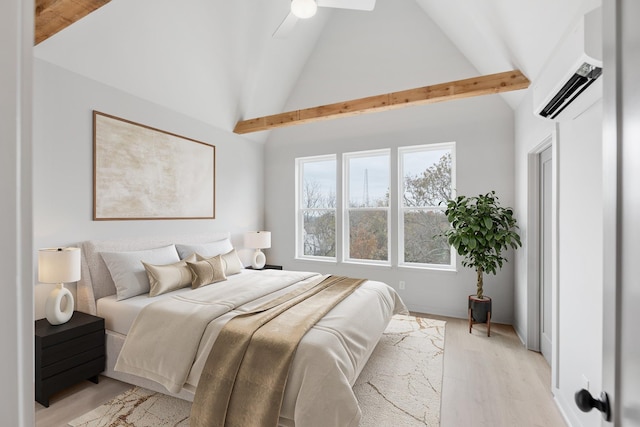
{"x":367,"y":208}
{"x":380,"y":198}
{"x":316,"y":202}
{"x":426,"y":183}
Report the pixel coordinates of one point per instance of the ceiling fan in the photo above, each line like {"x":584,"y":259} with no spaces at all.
{"x":303,"y":9}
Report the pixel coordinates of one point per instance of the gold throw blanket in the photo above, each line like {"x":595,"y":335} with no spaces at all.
{"x":243,"y":381}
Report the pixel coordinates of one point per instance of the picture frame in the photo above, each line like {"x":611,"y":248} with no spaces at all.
{"x":144,"y":173}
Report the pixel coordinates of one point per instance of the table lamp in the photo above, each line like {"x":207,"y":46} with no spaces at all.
{"x":60,"y":266}
{"x":258,"y":240}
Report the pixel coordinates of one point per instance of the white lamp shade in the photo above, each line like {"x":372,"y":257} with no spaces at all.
{"x":304,"y":8}
{"x":59,"y":265}
{"x":257,"y":239}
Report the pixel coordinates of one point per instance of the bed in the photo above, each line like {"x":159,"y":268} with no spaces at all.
{"x":329,"y":357}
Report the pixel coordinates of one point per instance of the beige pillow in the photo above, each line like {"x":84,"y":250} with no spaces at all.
{"x":169,"y":277}
{"x":231,"y":263}
{"x":206,"y":271}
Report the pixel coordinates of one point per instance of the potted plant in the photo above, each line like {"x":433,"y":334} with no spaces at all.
{"x":481,"y":230}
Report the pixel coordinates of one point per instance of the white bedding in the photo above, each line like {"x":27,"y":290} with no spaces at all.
{"x":119,"y":315}
{"x":327,"y":363}
{"x":348,"y":352}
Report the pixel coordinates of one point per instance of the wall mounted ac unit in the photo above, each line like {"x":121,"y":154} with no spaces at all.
{"x":571,"y":82}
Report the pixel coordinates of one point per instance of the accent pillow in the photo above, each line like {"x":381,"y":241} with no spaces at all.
{"x":167,"y":278}
{"x":231,"y":263}
{"x":207,"y":250}
{"x":128,"y":273}
{"x":206,"y":271}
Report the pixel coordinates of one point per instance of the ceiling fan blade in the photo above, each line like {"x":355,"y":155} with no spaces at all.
{"x":286,"y":26}
{"x":367,"y":5}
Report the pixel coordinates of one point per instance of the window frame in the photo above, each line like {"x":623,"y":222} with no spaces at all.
{"x":395,"y":210}
{"x":346,"y":209}
{"x":300,"y":211}
{"x":401,"y":209}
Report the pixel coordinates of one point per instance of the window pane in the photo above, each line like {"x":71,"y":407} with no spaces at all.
{"x":369,"y":181}
{"x":368,"y":235}
{"x":420,"y":242}
{"x":427,"y":177}
{"x":320,"y":233}
{"x":319,"y":184}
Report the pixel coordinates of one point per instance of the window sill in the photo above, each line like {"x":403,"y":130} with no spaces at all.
{"x":444,"y":269}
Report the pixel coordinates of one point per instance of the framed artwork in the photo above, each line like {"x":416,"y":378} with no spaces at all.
{"x":142,"y":173}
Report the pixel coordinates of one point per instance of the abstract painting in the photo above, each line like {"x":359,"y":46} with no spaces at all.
{"x":142,"y":173}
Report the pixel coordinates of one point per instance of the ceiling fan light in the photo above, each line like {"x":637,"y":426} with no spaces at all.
{"x":304,"y":9}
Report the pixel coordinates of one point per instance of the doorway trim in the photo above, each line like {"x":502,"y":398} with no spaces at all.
{"x":533,"y":252}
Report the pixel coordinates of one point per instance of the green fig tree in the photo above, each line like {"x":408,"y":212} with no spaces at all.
{"x":481,"y":230}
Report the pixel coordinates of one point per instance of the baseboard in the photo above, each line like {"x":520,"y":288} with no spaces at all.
{"x":456,"y":314}
{"x":566,"y":409}
{"x":522,"y":340}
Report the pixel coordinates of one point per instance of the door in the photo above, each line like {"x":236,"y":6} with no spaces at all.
{"x":545,"y":277}
{"x":621,"y":296}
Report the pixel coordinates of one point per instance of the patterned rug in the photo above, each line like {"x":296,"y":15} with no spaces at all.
{"x":400,"y":386}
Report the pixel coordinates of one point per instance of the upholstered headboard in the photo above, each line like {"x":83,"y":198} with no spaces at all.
{"x":96,"y":281}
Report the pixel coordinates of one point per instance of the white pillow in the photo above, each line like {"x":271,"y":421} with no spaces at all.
{"x":127,"y":270}
{"x":206,"y":250}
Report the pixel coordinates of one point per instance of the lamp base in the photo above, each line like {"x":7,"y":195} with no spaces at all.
{"x":259,"y":260}
{"x":52,"y":309}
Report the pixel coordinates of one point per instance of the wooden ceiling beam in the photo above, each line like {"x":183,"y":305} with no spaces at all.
{"x":477,"y":86}
{"x":52,"y":16}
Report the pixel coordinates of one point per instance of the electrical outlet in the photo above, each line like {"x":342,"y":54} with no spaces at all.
{"x":401,"y":284}
{"x":585,"y":382}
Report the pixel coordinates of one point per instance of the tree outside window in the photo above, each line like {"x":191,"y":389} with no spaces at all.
{"x":317,"y":207}
{"x":367,"y":214}
{"x":427,"y":182}
{"x":426,"y":178}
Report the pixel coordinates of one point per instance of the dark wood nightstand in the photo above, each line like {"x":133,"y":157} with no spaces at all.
{"x":67,"y":354}
{"x":267,"y":267}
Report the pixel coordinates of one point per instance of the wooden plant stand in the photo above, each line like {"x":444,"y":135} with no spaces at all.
{"x":474,"y":304}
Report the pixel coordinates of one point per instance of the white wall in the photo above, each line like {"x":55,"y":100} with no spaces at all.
{"x":214,"y":61}
{"x":580,"y":253}
{"x":530,"y":133}
{"x":63,"y":166}
{"x":392,"y":48}
{"x":484,"y":153}
{"x":580,"y":261}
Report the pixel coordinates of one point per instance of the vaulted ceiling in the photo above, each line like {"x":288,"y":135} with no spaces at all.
{"x":217,"y":61}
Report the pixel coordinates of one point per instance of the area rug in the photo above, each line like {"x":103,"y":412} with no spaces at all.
{"x":400,"y":386}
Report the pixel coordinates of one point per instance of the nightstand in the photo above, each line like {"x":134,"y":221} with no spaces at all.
{"x":267,"y":267}
{"x":67,"y":354}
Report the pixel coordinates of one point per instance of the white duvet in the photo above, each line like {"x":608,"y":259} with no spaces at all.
{"x":170,"y":340}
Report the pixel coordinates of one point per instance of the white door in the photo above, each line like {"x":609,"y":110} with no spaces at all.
{"x":621,"y":296}
{"x":545,"y":199}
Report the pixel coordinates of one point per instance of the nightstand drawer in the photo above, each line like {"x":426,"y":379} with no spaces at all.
{"x":67,"y":349}
{"x":70,"y":377}
{"x":81,"y":324}
{"x":71,"y":362}
{"x":68,"y":353}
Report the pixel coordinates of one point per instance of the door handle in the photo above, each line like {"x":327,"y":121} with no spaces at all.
{"x":586,"y":402}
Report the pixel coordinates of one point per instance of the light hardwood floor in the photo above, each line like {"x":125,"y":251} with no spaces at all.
{"x":492,"y":382}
